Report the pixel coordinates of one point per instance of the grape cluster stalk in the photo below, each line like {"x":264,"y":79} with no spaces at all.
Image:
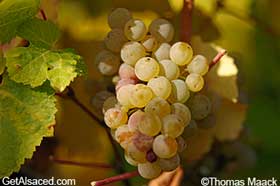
{"x":158,"y":84}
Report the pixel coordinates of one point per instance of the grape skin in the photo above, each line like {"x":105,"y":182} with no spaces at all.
{"x":135,"y":119}
{"x":169,"y":164}
{"x":150,"y":124}
{"x":162,"y":52}
{"x":123,"y":135}
{"x":115,"y":117}
{"x":158,"y":106}
{"x":135,"y":154}
{"x":172,"y":126}
{"x":107,"y":63}
{"x":124,"y":82}
{"x":181,"y":144}
{"x":130,"y":160}
{"x":200,"y":106}
{"x":181,"y":53}
{"x":149,"y":170}
{"x":118,"y":18}
{"x":140,"y":95}
{"x":180,"y":92}
{"x":142,"y":141}
{"x":135,"y":30}
{"x":182,"y":111}
{"x":169,"y":69}
{"x":146,"y":68}
{"x":150,"y":43}
{"x":162,"y":30}
{"x":195,"y":82}
{"x":131,"y":52}
{"x":198,"y":65}
{"x":115,"y":40}
{"x":123,"y":95}
{"x":127,"y":72}
{"x":161,"y":86}
{"x":165,"y":146}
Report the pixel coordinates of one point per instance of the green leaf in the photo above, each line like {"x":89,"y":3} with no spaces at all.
{"x":2,"y":63}
{"x":39,"y":32}
{"x":14,"y":13}
{"x":26,"y":116}
{"x":33,"y":66}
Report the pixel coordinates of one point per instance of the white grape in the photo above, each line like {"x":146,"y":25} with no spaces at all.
{"x":130,"y":160}
{"x":123,"y":82}
{"x":180,"y":92}
{"x":131,"y":52}
{"x":135,"y":119}
{"x":182,"y":111}
{"x":170,"y":163}
{"x":127,"y":72}
{"x":115,"y":117}
{"x":136,"y":154}
{"x":195,"y":82}
{"x":158,"y":106}
{"x":107,"y":63}
{"x":135,"y":30}
{"x":150,"y":124}
{"x":146,"y":68}
{"x":123,"y":95}
{"x":162,"y":29}
{"x":198,"y":65}
{"x":149,"y":170}
{"x":162,"y":52}
{"x":143,"y":142}
{"x":161,"y":86}
{"x":123,"y":135}
{"x":118,"y":18}
{"x":165,"y":146}
{"x":140,"y":95}
{"x":200,"y":106}
{"x":172,"y":126}
{"x":150,"y":43}
{"x":115,"y":40}
{"x":181,"y":53}
{"x":169,"y":69}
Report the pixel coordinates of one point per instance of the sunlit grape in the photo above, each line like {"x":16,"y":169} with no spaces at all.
{"x":162,"y":29}
{"x":198,"y":65}
{"x":123,"y":95}
{"x":123,"y":135}
{"x":131,"y":52}
{"x":169,"y":69}
{"x":180,"y":92}
{"x":172,"y":126}
{"x":162,"y":52}
{"x":150,"y":124}
{"x":158,"y":106}
{"x":135,"y":30}
{"x":195,"y":82}
{"x":182,"y":111}
{"x":115,"y":117}
{"x":140,"y":95}
{"x":150,"y":43}
{"x":127,"y":72}
{"x":181,"y":53}
{"x":146,"y":68}
{"x":161,"y":86}
{"x":165,"y":146}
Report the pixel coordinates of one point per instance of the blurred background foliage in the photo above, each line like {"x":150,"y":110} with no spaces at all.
{"x":248,"y":29}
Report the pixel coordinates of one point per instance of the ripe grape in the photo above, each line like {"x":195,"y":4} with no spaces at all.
{"x":118,"y":17}
{"x":146,"y":68}
{"x":124,"y":82}
{"x":182,"y":111}
{"x":130,"y":160}
{"x":149,"y":170}
{"x":110,"y":102}
{"x":135,"y":30}
{"x":107,"y":63}
{"x":127,"y":72}
{"x":150,"y":124}
{"x":140,"y":95}
{"x":150,"y":43}
{"x":181,"y":144}
{"x":115,"y":40}
{"x":180,"y":92}
{"x":200,"y":106}
{"x":162,"y":30}
{"x":161,"y":86}
{"x":170,"y":163}
{"x":198,"y":65}
{"x":158,"y":106}
{"x":169,"y":69}
{"x":172,"y":126}
{"x":131,"y":52}
{"x":142,"y":141}
{"x":115,"y":117}
{"x":136,"y":154}
{"x":181,"y":53}
{"x":123,"y":95}
{"x":135,"y":119}
{"x":162,"y":52}
{"x":165,"y":146}
{"x":123,"y":136}
{"x":195,"y":82}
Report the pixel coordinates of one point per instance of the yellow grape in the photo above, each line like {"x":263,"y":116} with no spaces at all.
{"x":131,"y":52}
{"x":146,"y":68}
{"x":180,"y":92}
{"x":165,"y":146}
{"x":135,"y":30}
{"x":140,"y":95}
{"x":195,"y":82}
{"x":172,"y":126}
{"x":169,"y":69}
{"x":123,"y":95}
{"x":161,"y":86}
{"x":150,"y":124}
{"x":115,"y":117}
{"x":182,"y":111}
{"x":158,"y":106}
{"x":149,"y":170}
{"x":181,"y":53}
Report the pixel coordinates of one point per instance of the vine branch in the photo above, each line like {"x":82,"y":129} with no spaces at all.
{"x":217,"y":58}
{"x":43,"y":14}
{"x":120,"y":177}
{"x":186,"y":20}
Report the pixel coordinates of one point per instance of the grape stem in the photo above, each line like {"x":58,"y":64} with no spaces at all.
{"x":84,"y":164}
{"x":43,"y":14}
{"x":217,"y":58}
{"x":186,"y":20}
{"x":113,"y":179}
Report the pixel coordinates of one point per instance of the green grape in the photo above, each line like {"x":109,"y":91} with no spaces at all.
{"x":149,"y":170}
{"x":115,"y":117}
{"x":182,"y":111}
{"x":195,"y":82}
{"x":131,"y":52}
{"x":118,"y":18}
{"x":165,"y":146}
{"x":181,"y":144}
{"x":162,"y":52}
{"x":146,"y":68}
{"x":130,"y":160}
{"x":150,"y":124}
{"x":110,"y":102}
{"x":162,"y":30}
{"x":169,"y":69}
{"x":107,"y":63}
{"x":181,"y":53}
{"x":198,"y":65}
{"x":123,"y":135}
{"x":172,"y":126}
{"x":180,"y":92}
{"x":150,"y":43}
{"x":161,"y":86}
{"x":123,"y":95}
{"x":190,"y":130}
{"x":169,"y":164}
{"x":115,"y":40}
{"x":158,"y":106}
{"x":135,"y":154}
{"x":135,"y":30}
{"x":140,"y":95}
{"x":200,"y":106}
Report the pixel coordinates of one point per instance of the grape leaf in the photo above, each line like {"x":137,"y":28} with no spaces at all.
{"x":14,"y":13}
{"x":26,"y":116}
{"x":33,"y":66}
{"x":2,"y":62}
{"x":39,"y":32}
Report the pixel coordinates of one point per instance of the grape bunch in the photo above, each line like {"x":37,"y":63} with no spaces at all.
{"x":157,"y":85}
